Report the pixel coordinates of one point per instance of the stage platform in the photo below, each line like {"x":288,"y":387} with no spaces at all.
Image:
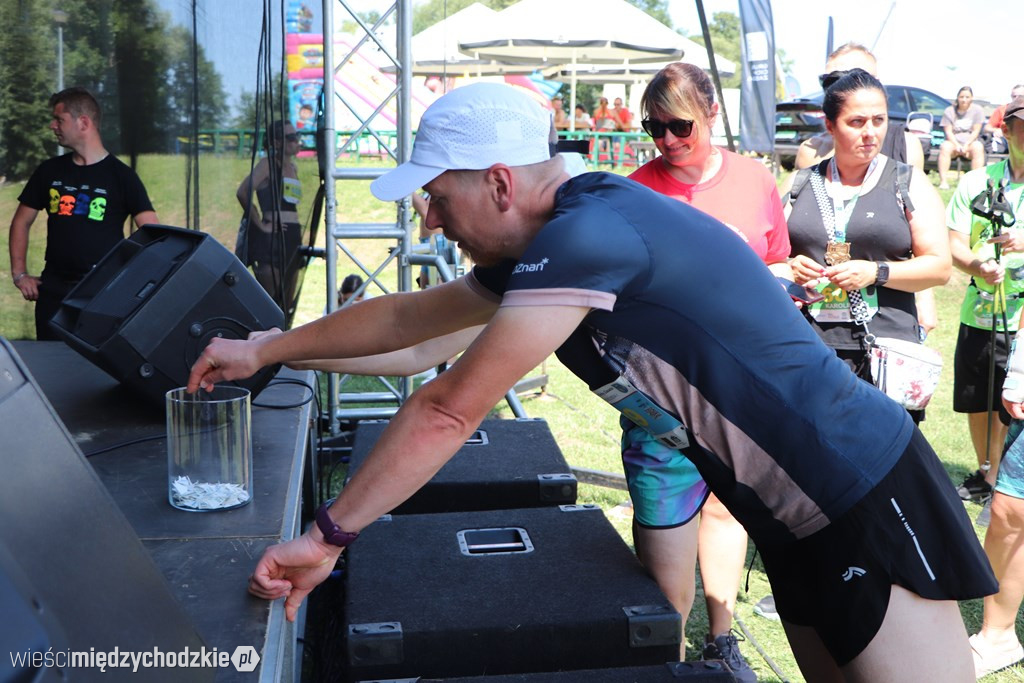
{"x":206,"y":557}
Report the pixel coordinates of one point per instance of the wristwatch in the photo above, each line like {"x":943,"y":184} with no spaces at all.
{"x":331,"y":531}
{"x":882,"y":275}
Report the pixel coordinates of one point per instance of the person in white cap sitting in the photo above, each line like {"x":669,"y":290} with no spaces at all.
{"x":675,"y":323}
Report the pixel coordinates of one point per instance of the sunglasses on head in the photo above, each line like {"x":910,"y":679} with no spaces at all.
{"x":828,"y":79}
{"x":681,"y":128}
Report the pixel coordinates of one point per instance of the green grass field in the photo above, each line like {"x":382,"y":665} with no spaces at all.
{"x":586,"y":430}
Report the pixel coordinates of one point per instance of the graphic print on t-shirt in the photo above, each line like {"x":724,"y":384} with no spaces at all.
{"x":78,"y":201}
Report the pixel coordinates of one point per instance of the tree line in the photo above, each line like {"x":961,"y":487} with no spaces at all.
{"x":151,"y":81}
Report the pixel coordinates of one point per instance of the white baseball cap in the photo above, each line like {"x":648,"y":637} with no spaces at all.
{"x":470,"y":128}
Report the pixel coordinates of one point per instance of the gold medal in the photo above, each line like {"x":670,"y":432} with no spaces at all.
{"x":837,"y":252}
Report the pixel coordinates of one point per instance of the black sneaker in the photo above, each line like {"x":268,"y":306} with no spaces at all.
{"x":975,"y":488}
{"x":727,"y":648}
{"x":765,"y":607}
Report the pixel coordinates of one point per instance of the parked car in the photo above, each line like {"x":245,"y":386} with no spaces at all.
{"x":802,"y":118}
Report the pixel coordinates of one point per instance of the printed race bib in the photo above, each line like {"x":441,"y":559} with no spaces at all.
{"x":292,"y":191}
{"x":983,"y":310}
{"x":644,"y":413}
{"x":835,"y":307}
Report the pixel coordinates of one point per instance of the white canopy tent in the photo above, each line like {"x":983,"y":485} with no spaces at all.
{"x":542,"y":33}
{"x":435,"y":50}
{"x":628,"y":73}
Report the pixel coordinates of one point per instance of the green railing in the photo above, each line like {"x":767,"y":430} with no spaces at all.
{"x":614,"y":149}
{"x":239,"y":142}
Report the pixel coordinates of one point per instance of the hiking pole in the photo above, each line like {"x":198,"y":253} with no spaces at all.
{"x":981,"y":206}
{"x":1000,"y":215}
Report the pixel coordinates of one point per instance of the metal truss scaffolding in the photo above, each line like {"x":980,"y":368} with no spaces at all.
{"x":342,"y":235}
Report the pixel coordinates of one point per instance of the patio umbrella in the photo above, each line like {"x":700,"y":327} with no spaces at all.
{"x":544,"y":33}
{"x":630,"y":73}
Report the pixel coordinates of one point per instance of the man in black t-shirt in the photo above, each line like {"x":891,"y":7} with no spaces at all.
{"x":87,"y":195}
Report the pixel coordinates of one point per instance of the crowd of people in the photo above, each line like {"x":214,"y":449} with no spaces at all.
{"x":605,"y":119}
{"x":863,"y":536}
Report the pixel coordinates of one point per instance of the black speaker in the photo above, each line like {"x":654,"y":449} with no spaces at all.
{"x":147,"y":310}
{"x":710,"y":671}
{"x":505,"y":464}
{"x":74,"y":576}
{"x":500,"y":592}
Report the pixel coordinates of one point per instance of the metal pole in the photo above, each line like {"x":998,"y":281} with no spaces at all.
{"x":330,"y":198}
{"x":714,"y":73}
{"x":60,"y":17}
{"x":403,"y":48}
{"x":60,"y":57}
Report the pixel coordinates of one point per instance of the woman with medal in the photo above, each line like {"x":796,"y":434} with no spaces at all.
{"x":679,"y":110}
{"x":866,"y":231}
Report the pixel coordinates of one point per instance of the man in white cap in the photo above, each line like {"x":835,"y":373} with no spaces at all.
{"x":664,"y":314}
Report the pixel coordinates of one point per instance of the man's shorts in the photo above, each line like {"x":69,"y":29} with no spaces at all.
{"x":1011,"y":466}
{"x":664,"y":485}
{"x":910,"y":530}
{"x":970,"y":371}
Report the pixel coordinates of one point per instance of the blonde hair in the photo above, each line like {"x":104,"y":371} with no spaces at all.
{"x":678,"y":91}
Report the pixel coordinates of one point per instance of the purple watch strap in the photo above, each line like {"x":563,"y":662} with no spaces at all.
{"x":331,"y":531}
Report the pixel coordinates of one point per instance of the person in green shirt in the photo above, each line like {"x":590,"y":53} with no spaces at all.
{"x":973,"y":243}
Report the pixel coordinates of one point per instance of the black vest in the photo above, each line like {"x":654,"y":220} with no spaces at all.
{"x":878,"y":231}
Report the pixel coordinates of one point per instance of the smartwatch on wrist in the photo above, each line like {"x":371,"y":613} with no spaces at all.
{"x":882,"y":275}
{"x":331,"y":531}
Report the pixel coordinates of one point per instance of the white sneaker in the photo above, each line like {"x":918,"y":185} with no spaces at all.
{"x":987,"y":660}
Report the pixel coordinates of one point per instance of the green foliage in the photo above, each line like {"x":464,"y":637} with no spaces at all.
{"x":369,"y":19}
{"x":656,"y":8}
{"x":125,"y":52}
{"x":268,"y":107}
{"x":587,"y":94}
{"x":724,"y":29}
{"x":26,"y":82}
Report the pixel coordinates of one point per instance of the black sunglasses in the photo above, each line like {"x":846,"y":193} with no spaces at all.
{"x":292,"y":137}
{"x":681,"y":128}
{"x":828,"y":79}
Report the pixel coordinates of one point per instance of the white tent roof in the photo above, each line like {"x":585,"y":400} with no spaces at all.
{"x":543,"y":32}
{"x":435,"y":50}
{"x":627,"y":73}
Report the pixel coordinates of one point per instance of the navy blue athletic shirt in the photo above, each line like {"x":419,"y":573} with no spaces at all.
{"x":782,"y":431}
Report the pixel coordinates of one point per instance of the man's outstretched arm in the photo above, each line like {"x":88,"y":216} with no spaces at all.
{"x":421,"y":438}
{"x":371,"y":327}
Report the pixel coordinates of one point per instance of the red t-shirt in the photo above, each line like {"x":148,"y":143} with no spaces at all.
{"x":624,"y":117}
{"x":742,"y":195}
{"x":996,"y":119}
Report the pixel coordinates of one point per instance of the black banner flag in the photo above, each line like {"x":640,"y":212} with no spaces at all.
{"x":757,"y":91}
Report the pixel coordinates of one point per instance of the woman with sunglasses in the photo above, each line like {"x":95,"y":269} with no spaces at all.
{"x":271,"y":236}
{"x":679,"y":110}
